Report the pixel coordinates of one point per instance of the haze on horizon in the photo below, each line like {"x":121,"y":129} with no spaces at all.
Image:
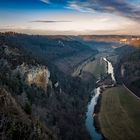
{"x":71,"y":17}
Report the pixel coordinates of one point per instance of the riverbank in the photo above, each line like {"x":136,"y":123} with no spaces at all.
{"x":95,"y":135}
{"x":103,"y":70}
{"x":97,"y":68}
{"x":95,"y":114}
{"x":108,"y":81}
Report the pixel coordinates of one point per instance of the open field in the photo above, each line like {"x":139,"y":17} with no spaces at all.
{"x":97,"y":68}
{"x":119,"y":116}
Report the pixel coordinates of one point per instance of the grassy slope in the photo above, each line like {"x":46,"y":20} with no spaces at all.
{"x":120,"y":115}
{"x":96,"y":67}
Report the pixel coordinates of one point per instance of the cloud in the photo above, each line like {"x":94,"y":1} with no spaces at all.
{"x":125,"y":8}
{"x":119,"y":7}
{"x":80,"y":6}
{"x":50,"y":21}
{"x":45,"y":1}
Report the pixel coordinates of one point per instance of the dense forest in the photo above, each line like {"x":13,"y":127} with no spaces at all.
{"x":50,"y":103}
{"x":128,"y":67}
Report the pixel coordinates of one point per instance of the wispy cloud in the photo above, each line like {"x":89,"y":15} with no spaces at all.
{"x":45,"y":1}
{"x":80,"y":6}
{"x":50,"y":21}
{"x":125,"y":8}
{"x":120,"y":7}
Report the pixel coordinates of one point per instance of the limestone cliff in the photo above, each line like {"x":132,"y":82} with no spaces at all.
{"x":37,"y":75}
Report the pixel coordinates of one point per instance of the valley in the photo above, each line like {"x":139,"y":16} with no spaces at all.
{"x":69,"y":69}
{"x":68,"y":86}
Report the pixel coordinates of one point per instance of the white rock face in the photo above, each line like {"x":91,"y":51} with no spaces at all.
{"x":56,"y":84}
{"x":61,"y":43}
{"x":38,"y":75}
{"x":122,"y":71}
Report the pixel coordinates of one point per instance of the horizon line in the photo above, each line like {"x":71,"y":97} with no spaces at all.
{"x":68,"y":34}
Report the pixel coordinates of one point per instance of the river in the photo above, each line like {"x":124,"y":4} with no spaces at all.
{"x":110,"y":69}
{"x":91,"y":106}
{"x":89,"y":116}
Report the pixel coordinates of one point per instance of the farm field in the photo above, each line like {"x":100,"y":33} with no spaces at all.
{"x":119,"y":115}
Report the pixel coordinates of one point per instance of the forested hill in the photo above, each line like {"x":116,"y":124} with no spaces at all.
{"x":131,"y":74}
{"x":36,"y":83}
{"x":129,"y":63}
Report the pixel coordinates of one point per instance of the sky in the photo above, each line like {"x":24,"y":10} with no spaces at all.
{"x":70,"y":17}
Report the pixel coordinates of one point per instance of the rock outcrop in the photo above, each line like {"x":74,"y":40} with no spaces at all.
{"x":37,"y":75}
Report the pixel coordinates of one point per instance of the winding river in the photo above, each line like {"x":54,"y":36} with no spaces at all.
{"x":91,"y":106}
{"x":89,"y":116}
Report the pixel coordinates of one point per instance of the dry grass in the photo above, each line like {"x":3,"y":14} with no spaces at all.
{"x":120,"y":115}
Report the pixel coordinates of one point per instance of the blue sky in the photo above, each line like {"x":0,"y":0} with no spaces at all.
{"x":70,"y":16}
